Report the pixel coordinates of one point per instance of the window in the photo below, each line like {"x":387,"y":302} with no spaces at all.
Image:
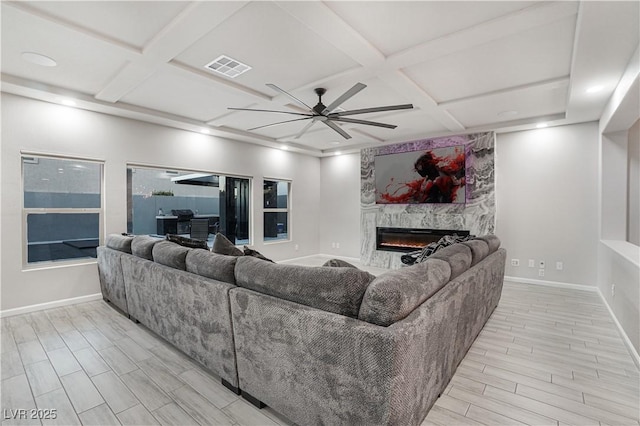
{"x":164,"y":202}
{"x":62,"y":208}
{"x":276,"y":210}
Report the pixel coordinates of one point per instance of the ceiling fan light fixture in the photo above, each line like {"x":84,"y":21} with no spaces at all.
{"x":227,"y":66}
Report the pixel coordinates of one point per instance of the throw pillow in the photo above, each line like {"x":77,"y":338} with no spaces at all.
{"x":338,"y":263}
{"x":187,"y":242}
{"x":222,"y":245}
{"x":255,"y":253}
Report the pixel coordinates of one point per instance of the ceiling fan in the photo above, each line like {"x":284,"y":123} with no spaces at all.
{"x":328,"y":114}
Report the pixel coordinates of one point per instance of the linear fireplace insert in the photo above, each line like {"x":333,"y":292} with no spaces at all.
{"x":410,"y":239}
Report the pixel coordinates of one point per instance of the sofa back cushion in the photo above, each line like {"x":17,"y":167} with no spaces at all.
{"x":142,"y":246}
{"x":119,"y":242}
{"x":212,"y":265}
{"x":337,"y":290}
{"x":458,"y":256}
{"x":170,"y":254}
{"x":479,"y":250}
{"x":492,"y":241}
{"x":393,"y":295}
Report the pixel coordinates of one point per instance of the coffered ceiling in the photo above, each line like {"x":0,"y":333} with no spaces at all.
{"x":465,"y":66}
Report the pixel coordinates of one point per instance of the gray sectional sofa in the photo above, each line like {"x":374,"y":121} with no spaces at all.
{"x":321,"y":345}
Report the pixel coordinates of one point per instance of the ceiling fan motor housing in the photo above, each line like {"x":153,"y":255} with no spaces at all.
{"x":319,"y":108}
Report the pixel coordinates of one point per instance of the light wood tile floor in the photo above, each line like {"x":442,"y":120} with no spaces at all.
{"x":547,"y":356}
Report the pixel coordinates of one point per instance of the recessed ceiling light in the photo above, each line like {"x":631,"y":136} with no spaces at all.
{"x":594,"y":89}
{"x":38,"y":59}
{"x":509,"y":113}
{"x":227,"y":66}
{"x":205,"y":131}
{"x":284,"y":147}
{"x":335,"y":142}
{"x":68,"y":102}
{"x":337,"y":153}
{"x":541,"y":125}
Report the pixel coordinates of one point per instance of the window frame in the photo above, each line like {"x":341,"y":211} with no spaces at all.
{"x":180,"y":169}
{"x":286,"y":210}
{"x":26,"y":211}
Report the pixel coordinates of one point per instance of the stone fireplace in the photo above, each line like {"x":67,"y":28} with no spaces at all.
{"x":406,"y":240}
{"x":476,"y":216}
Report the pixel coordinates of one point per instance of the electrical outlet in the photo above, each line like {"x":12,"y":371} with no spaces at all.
{"x":532,"y":263}
{"x":333,"y":245}
{"x":559,"y":266}
{"x":613,"y":290}
{"x":337,"y":245}
{"x":541,"y":272}
{"x":515,"y":262}
{"x":296,"y":247}
{"x":541,"y":264}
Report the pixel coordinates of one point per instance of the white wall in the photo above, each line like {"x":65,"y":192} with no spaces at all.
{"x":35,"y":126}
{"x":546,"y":195}
{"x":340,"y":205}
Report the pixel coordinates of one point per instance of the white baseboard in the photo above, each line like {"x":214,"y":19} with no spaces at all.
{"x":632,"y":350}
{"x":49,"y":305}
{"x":552,"y":283}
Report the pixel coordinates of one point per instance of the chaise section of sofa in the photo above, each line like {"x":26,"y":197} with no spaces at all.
{"x":179,"y":293}
{"x":386,"y":365}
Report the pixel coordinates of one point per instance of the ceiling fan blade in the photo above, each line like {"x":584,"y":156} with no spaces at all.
{"x":345,"y":96}
{"x":270,"y":110}
{"x":335,"y":127}
{"x":279,"y":122}
{"x":304,"y":129}
{"x":368,"y":110}
{"x":277,"y":89}
{"x":370,"y":123}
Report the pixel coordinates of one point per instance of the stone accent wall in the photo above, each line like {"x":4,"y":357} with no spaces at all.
{"x":478,"y":215}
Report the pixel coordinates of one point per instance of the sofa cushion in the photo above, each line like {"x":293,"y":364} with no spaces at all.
{"x":119,"y":242}
{"x":187,"y":242}
{"x":222,"y":245}
{"x":393,"y":295}
{"x":170,"y":254}
{"x":211,"y":265}
{"x":338,"y":263}
{"x":142,"y":246}
{"x":338,"y":290}
{"x":457,"y":255}
{"x":479,"y":250}
{"x":492,"y":240}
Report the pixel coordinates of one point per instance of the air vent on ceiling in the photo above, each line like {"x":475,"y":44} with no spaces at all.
{"x":227,"y":66}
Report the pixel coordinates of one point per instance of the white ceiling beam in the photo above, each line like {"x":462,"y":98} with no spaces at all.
{"x":534,"y":16}
{"x":552,"y":83}
{"x":85,"y":31}
{"x":421,"y":100}
{"x":315,"y":15}
{"x":192,"y":23}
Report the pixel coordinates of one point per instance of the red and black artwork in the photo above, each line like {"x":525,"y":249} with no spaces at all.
{"x":428,"y":176}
